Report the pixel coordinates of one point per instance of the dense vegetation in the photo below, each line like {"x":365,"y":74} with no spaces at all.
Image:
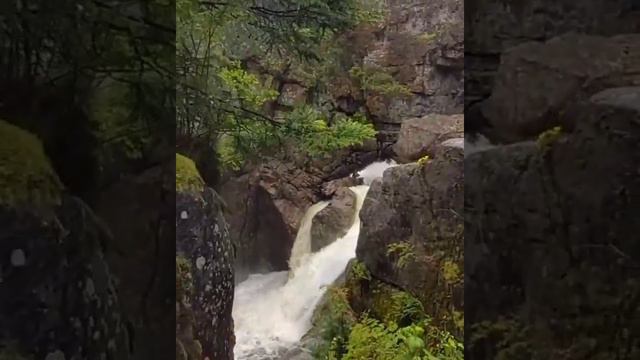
{"x":398,"y":329}
{"x":229,"y":105}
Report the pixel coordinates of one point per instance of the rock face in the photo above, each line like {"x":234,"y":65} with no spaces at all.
{"x":203,"y":242}
{"x":333,"y":221}
{"x":422,"y":47}
{"x":57,"y":295}
{"x":536,"y":81}
{"x":265,"y":208}
{"x":561,"y":211}
{"x":420,"y":136}
{"x":141,"y":254}
{"x":494,"y":26}
{"x":412,"y":231}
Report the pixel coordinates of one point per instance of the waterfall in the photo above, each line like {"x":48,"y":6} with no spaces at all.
{"x":302,"y":243}
{"x":272,"y":312}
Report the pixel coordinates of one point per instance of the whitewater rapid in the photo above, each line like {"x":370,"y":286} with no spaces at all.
{"x":272,"y":312}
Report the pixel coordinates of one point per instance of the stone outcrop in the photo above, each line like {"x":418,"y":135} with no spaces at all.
{"x":494,"y":26}
{"x":264,"y":210}
{"x":57,"y":295}
{"x":537,"y":80}
{"x":561,"y":211}
{"x":204,"y":245}
{"x":421,"y":46}
{"x":412,"y":231}
{"x":421,"y":136}
{"x":334,"y":220}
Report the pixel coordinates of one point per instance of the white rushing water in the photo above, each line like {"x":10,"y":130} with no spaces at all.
{"x":375,"y":170}
{"x":272,"y":312}
{"x":302,"y":244}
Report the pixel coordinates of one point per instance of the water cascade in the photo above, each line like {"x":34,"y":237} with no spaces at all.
{"x":272,"y":312}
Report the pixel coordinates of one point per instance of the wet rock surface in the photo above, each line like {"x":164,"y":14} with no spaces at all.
{"x":537,"y":80}
{"x":493,"y":26}
{"x":333,"y":221}
{"x":412,"y":226}
{"x":57,"y":292}
{"x":264,"y":210}
{"x":421,"y":136}
{"x":202,"y":238}
{"x":561,"y":212}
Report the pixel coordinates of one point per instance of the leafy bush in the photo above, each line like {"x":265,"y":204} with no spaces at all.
{"x":378,"y":80}
{"x":360,"y":271}
{"x":403,"y":251}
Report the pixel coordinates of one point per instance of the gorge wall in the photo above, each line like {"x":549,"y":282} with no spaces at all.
{"x":545,"y":259}
{"x":419,"y":47}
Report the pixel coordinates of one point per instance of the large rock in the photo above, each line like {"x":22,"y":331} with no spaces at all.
{"x":548,"y":250}
{"x":334,"y":220}
{"x":264,"y":210}
{"x":421,"y":136}
{"x":203,"y":242}
{"x":411,"y":233}
{"x":139,"y":213}
{"x":537,"y":80}
{"x":57,"y":295}
{"x":493,"y":26}
{"x":423,"y":49}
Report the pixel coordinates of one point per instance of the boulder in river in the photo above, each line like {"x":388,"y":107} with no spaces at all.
{"x":334,"y":220}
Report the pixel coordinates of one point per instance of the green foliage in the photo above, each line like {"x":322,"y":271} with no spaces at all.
{"x":347,"y":338}
{"x":221,"y":100}
{"x":511,"y":337}
{"x":184,"y":279}
{"x":548,"y":137}
{"x":310,"y":128}
{"x":377,"y":80}
{"x":424,"y":160}
{"x":360,"y":271}
{"x":404,"y":308}
{"x":246,"y":86}
{"x":370,"y":339}
{"x":335,"y":325}
{"x":187,"y":176}
{"x":370,"y":12}
{"x":26,"y":176}
{"x":451,"y":272}
{"x":403,"y":251}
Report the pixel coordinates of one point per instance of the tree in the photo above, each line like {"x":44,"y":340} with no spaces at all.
{"x":223,"y":102}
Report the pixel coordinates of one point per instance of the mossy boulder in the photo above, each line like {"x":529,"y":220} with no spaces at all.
{"x":26,"y":175}
{"x":188,"y":178}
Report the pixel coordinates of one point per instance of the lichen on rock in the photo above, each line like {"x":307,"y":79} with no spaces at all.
{"x":188,"y":178}
{"x":26,"y":175}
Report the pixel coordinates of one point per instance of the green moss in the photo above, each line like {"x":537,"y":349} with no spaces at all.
{"x":188,"y":178}
{"x":451,"y":272}
{"x":424,"y":160}
{"x":26,"y":175}
{"x":184,"y":279}
{"x":548,"y":137}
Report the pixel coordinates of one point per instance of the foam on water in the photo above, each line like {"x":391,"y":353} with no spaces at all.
{"x":272,"y":312}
